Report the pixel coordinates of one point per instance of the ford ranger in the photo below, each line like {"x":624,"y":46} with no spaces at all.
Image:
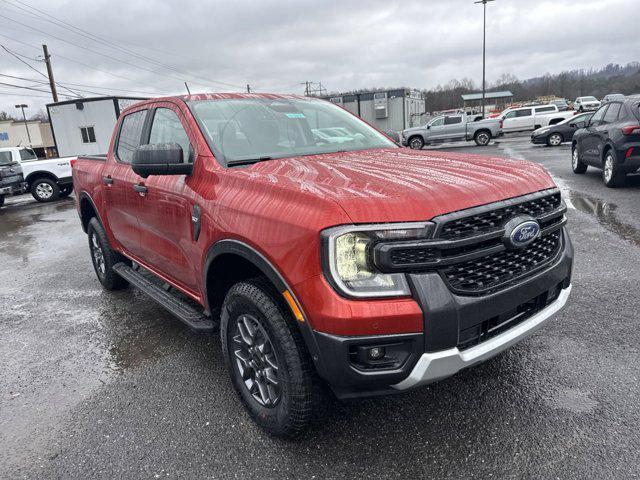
{"x":360,"y":265}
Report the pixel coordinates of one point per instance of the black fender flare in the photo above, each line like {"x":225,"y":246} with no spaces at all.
{"x":84,"y":195}
{"x":256,"y":258}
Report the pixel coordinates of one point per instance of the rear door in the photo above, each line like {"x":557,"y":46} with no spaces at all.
{"x":122,"y":203}
{"x":604,"y":129}
{"x":166,"y":209}
{"x":454,"y":127}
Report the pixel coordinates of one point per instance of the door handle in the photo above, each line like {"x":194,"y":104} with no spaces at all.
{"x":141,"y":189}
{"x":107,"y":180}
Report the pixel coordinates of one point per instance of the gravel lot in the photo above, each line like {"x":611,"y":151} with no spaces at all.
{"x":102,"y":385}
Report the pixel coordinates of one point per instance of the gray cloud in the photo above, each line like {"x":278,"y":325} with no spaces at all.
{"x":276,"y":45}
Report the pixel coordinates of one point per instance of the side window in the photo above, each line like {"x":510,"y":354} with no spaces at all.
{"x":167,"y":128}
{"x":545,"y":109}
{"x":130,"y":135}
{"x":597,"y":117}
{"x":523,"y":113}
{"x":624,"y":113}
{"x":452,"y":120}
{"x":511,"y":114}
{"x":612,"y":113}
{"x":437,"y":122}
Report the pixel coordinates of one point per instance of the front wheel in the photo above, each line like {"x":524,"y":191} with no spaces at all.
{"x":554,"y":140}
{"x":416,"y":143}
{"x":266,"y":358}
{"x":576,"y":164}
{"x":44,"y":190}
{"x":482,"y":138}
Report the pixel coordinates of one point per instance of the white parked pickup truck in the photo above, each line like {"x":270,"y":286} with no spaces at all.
{"x":531,"y":118}
{"x":47,"y":179}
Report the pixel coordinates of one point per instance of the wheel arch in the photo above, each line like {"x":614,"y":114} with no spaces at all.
{"x":248,"y":262}
{"x":607,"y":146}
{"x":414,"y":135}
{"x":40,"y":174}
{"x":87,"y":210}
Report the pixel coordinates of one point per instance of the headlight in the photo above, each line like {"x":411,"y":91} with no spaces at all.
{"x":347,"y":258}
{"x":541,"y":131}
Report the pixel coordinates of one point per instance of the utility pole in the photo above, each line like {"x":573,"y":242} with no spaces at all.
{"x":187,"y":87}
{"x":52,"y":83}
{"x":307,"y":91}
{"x":248,"y":88}
{"x":22,"y":106}
{"x":484,"y":44}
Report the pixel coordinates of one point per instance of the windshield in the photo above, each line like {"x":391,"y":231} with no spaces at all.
{"x":26,"y":154}
{"x":588,"y":99}
{"x":5,"y":158}
{"x":254,"y":129}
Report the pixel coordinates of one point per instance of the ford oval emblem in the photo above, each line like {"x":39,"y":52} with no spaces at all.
{"x":521,"y":231}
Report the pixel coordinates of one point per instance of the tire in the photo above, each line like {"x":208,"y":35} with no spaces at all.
{"x":482,"y":138}
{"x":252,"y":315}
{"x":555,"y":139}
{"x":416,"y":143}
{"x":611,"y":174}
{"x":66,"y":191}
{"x":104,"y":257}
{"x":44,"y":190}
{"x":1,"y":201}
{"x":576,"y":164}
{"x":580,"y":109}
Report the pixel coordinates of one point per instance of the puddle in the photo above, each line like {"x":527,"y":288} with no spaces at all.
{"x":605,"y":213}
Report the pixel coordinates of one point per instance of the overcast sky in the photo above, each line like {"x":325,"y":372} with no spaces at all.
{"x":276,"y":45}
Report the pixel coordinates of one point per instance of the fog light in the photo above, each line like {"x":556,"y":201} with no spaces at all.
{"x":376,"y":353}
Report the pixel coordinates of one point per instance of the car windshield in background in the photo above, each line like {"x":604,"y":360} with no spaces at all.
{"x":27,"y":154}
{"x":253,"y":129}
{"x":589,"y":99}
{"x":5,"y":158}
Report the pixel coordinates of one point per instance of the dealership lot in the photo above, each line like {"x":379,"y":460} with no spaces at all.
{"x":102,"y":385}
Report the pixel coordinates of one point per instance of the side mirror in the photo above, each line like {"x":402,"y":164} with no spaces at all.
{"x":428,"y":127}
{"x":160,"y":159}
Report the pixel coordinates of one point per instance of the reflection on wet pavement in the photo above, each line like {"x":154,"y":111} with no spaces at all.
{"x":605,"y":213}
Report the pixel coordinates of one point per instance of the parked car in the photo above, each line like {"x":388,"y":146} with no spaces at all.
{"x":612,"y":97}
{"x":610,"y":141}
{"x":457,"y":127}
{"x":47,"y":179}
{"x":11,"y":177}
{"x":368,"y":267}
{"x":531,"y":118}
{"x":562,"y":104}
{"x":554,"y":135}
{"x":583,"y":104}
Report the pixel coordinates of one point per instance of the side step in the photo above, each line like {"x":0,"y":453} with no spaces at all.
{"x":197,"y":321}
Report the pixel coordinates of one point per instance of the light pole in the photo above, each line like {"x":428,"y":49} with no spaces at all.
{"x":22,"y":106}
{"x":484,"y":44}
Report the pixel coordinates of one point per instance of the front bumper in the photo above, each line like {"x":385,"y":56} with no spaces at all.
{"x":438,"y":365}
{"x":539,"y":139}
{"x":15,"y":188}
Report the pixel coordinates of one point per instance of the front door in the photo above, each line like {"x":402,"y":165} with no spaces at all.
{"x":435,"y":130}
{"x":118,"y":177}
{"x":166,"y":217}
{"x":589,"y":145}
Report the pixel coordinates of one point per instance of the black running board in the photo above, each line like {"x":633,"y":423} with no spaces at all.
{"x":195,"y":320}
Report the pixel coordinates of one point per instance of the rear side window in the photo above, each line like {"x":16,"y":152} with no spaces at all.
{"x":545,"y":109}
{"x":130,"y":135}
{"x":167,"y":128}
{"x":523,"y":113}
{"x":612,"y":113}
{"x":27,"y":154}
{"x":452,"y":120}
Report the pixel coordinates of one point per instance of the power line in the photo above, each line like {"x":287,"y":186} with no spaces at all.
{"x":108,"y":43}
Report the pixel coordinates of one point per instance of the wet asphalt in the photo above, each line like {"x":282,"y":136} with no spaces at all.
{"x":108,"y":385}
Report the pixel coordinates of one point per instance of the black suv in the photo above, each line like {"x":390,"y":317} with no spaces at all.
{"x":610,"y":141}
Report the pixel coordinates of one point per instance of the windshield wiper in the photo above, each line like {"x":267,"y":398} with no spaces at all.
{"x":246,"y":161}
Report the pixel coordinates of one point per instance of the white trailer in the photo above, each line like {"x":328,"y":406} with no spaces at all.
{"x":84,"y":126}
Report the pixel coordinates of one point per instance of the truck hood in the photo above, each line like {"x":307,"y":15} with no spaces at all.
{"x":397,"y":184}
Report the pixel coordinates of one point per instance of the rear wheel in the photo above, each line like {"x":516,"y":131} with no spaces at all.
{"x":554,"y":140}
{"x":104,"y":257}
{"x":1,"y":201}
{"x":66,"y":191}
{"x":611,"y":173}
{"x":576,"y":164}
{"x":44,"y":190}
{"x":416,"y":143}
{"x":482,"y":138}
{"x":267,"y":361}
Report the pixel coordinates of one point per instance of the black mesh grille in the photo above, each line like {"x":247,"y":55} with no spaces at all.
{"x":493,"y":220}
{"x":413,"y":256}
{"x":489,"y":273}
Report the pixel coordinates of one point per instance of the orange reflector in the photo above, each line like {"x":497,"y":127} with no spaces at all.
{"x":293,"y":305}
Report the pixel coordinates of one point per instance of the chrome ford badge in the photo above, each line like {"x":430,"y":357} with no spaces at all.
{"x":521,"y":231}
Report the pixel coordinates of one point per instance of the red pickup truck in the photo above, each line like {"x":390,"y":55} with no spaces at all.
{"x":342,"y":260}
